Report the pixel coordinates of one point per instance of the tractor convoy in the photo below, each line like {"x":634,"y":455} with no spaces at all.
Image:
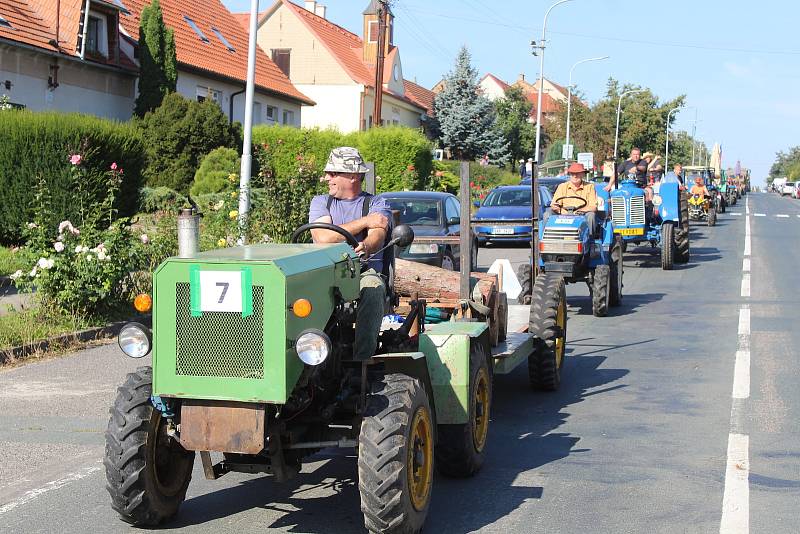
{"x":253,"y":365}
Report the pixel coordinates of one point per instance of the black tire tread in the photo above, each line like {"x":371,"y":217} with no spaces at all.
{"x":524,"y":277}
{"x":601,"y":290}
{"x":617,"y":274}
{"x":547,"y":292}
{"x":667,"y":246}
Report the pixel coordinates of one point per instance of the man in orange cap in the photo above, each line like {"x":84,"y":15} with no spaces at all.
{"x":576,"y":193}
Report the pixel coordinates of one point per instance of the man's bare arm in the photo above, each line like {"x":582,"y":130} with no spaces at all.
{"x":354,"y":227}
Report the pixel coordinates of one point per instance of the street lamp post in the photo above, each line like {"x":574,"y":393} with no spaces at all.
{"x":619,"y":108}
{"x":247,"y":157}
{"x":534,"y":170}
{"x":569,"y":93}
{"x":666,"y":144}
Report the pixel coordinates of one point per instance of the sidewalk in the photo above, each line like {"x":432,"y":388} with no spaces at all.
{"x":10,"y":298}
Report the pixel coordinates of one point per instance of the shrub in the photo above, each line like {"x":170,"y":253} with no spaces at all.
{"x":217,"y":166}
{"x":402,"y":156}
{"x":178,"y":134}
{"x":156,"y":199}
{"x":38,"y":145}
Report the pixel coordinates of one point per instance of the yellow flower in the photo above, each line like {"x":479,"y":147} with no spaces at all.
{"x":234,"y":194}
{"x":233,"y":214}
{"x":222,"y":242}
{"x":232,"y":178}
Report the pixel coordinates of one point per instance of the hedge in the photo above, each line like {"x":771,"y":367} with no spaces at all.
{"x":402,"y":156}
{"x":39,"y":145}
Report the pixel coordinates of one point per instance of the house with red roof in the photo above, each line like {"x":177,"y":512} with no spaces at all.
{"x":492,"y":87}
{"x":336,"y":68}
{"x":56,"y":54}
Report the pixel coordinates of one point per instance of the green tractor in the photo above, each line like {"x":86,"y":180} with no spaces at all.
{"x":252,"y":359}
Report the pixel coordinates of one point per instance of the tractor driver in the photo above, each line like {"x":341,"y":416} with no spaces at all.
{"x":699,"y":188}
{"x":369,"y":219}
{"x":577,"y":188}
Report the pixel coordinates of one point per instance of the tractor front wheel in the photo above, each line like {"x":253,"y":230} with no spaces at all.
{"x":617,"y":270}
{"x":460,"y":448}
{"x":712,"y":217}
{"x":601,"y":290}
{"x":524,"y":277}
{"x":667,"y":246}
{"x":395,"y":456}
{"x":548,"y":324}
{"x":147,"y":470}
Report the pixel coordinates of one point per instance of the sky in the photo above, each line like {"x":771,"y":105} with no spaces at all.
{"x":737,"y":62}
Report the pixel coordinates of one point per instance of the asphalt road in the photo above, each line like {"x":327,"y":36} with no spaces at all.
{"x":677,"y":413}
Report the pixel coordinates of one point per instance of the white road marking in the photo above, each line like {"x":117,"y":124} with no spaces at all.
{"x":741,"y":375}
{"x":736,"y":499}
{"x":760,"y":214}
{"x":782,"y":216}
{"x":50,"y":486}
{"x":744,"y":321}
{"x":747,"y":205}
{"x":747,"y":236}
{"x":746,"y":265}
{"x":735,"y":213}
{"x":746,"y":285}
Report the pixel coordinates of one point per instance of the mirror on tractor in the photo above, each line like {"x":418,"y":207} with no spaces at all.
{"x":402,"y":235}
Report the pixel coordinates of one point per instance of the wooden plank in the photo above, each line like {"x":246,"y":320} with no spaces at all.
{"x":222,"y":426}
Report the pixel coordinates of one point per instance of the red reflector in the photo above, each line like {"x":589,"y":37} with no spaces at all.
{"x":580,"y":248}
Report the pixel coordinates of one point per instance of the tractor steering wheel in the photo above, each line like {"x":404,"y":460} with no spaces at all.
{"x":571,"y":209}
{"x":348,"y":237}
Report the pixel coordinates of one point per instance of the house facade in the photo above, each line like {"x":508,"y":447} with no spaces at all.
{"x":92,"y":66}
{"x":336,"y":67}
{"x":492,"y":87}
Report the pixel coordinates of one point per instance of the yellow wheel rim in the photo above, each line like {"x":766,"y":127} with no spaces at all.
{"x":419,"y":461}
{"x":561,"y":321}
{"x":480,"y":410}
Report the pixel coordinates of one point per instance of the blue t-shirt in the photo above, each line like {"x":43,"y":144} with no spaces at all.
{"x":344,"y":211}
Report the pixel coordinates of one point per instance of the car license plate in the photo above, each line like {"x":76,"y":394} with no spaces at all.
{"x":502,"y":231}
{"x":629,"y":231}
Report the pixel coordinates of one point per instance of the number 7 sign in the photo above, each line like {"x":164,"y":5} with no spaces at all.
{"x":221,"y":291}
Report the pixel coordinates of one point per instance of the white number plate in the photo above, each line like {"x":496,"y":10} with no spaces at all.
{"x":221,"y":291}
{"x":502,"y":231}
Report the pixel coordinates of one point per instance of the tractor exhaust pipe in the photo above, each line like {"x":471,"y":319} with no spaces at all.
{"x":188,"y":232}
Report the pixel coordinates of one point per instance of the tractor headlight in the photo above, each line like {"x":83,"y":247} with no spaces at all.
{"x":135,"y":340}
{"x":313,"y":347}
{"x":657,"y":200}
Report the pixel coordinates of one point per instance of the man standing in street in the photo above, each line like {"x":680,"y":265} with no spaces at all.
{"x":576,"y":193}
{"x":369,"y":219}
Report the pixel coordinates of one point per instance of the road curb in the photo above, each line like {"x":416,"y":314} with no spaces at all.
{"x":63,"y":341}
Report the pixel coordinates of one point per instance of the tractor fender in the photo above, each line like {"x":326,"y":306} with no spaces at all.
{"x":670,"y":208}
{"x":447,"y":353}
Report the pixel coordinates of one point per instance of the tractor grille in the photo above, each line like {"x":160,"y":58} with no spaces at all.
{"x":572,"y":234}
{"x":618,"y":211}
{"x":220,"y":344}
{"x":637,"y":210}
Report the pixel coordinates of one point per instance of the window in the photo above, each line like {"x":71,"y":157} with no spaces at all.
{"x":205,"y":93}
{"x":5,"y":23}
{"x":96,"y":35}
{"x":451,"y":210}
{"x":257,"y":113}
{"x":372,"y":32}
{"x":281,"y":58}
{"x":272,"y":113}
{"x":288,"y":117}
{"x":199,"y":33}
{"x":222,"y":39}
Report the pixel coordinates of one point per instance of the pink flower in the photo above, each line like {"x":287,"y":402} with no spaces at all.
{"x":59,"y":246}
{"x":144,"y":238}
{"x":75,"y":159}
{"x":114,"y":166}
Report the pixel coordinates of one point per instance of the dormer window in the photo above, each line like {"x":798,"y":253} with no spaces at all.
{"x":5,"y":23}
{"x":97,"y":35}
{"x":196,"y":29}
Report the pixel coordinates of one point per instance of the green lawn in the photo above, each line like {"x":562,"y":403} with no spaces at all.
{"x":10,"y":261}
{"x":29,"y":325}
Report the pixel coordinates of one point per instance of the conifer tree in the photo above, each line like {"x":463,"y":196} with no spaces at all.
{"x":467,"y":119}
{"x":158,"y":65}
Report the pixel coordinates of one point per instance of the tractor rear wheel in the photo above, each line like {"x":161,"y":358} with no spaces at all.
{"x":601,"y":290}
{"x":524,"y":277}
{"x":460,"y":448}
{"x":712,"y":217}
{"x":395,"y":456}
{"x":682,"y":246}
{"x":548,"y":323}
{"x":147,"y":470}
{"x":617,"y":270}
{"x":667,"y":246}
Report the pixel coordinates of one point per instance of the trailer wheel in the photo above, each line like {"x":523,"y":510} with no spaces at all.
{"x":617,"y":270}
{"x":460,"y":448}
{"x":147,"y":471}
{"x":712,"y":217}
{"x":524,"y":277}
{"x":667,"y":246}
{"x":548,"y":323}
{"x":601,"y":290}
{"x":395,"y":456}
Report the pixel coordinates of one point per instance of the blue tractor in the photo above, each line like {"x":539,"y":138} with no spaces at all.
{"x":568,"y":248}
{"x":663,"y":224}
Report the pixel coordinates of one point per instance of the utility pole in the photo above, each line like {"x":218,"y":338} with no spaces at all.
{"x":383,"y":9}
{"x":247,"y":157}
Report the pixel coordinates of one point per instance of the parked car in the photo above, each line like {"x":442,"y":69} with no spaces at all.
{"x":788,"y":188}
{"x":550,"y":182}
{"x":431,"y":213}
{"x":510,"y":203}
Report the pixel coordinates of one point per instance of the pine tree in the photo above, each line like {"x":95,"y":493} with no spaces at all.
{"x":467,"y":119}
{"x":158,"y":65}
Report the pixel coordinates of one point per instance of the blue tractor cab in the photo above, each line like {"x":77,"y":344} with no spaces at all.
{"x":568,"y":248}
{"x":661,"y":224}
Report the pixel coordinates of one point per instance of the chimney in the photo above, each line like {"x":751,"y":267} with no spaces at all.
{"x":320,"y":10}
{"x":311,"y":5}
{"x":521,"y":77}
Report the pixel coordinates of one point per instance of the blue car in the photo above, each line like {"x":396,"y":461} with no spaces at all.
{"x":505,"y":215}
